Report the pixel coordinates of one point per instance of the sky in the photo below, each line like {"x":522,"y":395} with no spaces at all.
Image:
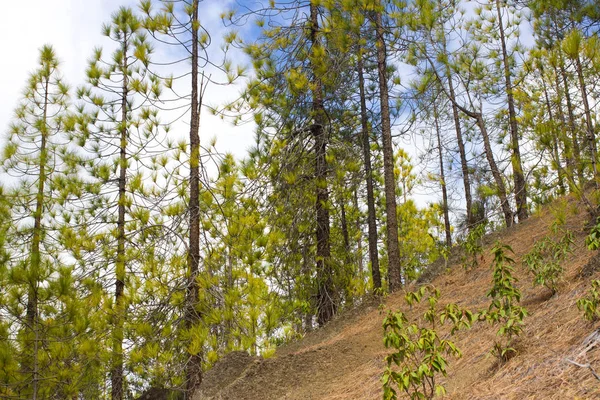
{"x":73,"y":28}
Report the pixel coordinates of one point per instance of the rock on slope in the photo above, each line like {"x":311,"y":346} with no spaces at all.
{"x":344,"y":360}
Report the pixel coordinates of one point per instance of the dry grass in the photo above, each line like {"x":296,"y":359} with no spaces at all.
{"x":345,"y":359}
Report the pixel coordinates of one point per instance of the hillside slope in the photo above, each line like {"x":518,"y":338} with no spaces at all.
{"x":344,"y":360}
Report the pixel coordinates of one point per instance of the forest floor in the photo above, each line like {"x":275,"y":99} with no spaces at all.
{"x":345,"y":359}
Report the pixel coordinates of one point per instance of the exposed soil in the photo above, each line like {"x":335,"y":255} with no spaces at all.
{"x":344,"y":360}
{"x":226,"y":371}
{"x":161,"y":394}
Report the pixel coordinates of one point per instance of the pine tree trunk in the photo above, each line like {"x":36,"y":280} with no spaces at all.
{"x":366,"y":145}
{"x":116,"y":373}
{"x":572,"y":126}
{"x":345,"y":233}
{"x":393,"y":248}
{"x":478,"y":117}
{"x":442,"y":178}
{"x":590,"y":135}
{"x":228,"y":323}
{"x":555,"y":149}
{"x":461,"y":144}
{"x":463,"y":157}
{"x":193,"y":374}
{"x":348,"y":267}
{"x":508,"y":215}
{"x":567,"y":144}
{"x":519,"y":178}
{"x":326,"y":303}
{"x":359,"y":248}
{"x":32,"y":316}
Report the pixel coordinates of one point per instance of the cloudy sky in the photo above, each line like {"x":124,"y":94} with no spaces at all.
{"x":73,"y":27}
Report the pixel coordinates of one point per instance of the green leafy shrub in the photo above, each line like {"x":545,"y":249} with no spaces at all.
{"x":504,"y":309}
{"x":546,"y":258}
{"x":592,"y":241}
{"x":473,"y":245}
{"x":419,"y":352}
{"x":589,"y":304}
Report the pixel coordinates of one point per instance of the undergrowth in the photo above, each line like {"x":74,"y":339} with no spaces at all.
{"x":420,"y":354}
{"x":504,"y":309}
{"x":545,"y":260}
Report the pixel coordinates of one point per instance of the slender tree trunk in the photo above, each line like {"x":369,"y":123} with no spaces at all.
{"x":463,"y":155}
{"x":228,"y":323}
{"x":193,"y":374}
{"x":459,"y":139}
{"x":517,"y":166}
{"x":306,"y":272}
{"x":348,"y":267}
{"x":555,"y":149}
{"x":366,"y":145}
{"x":567,"y":144}
{"x":508,"y":215}
{"x":442,"y":177}
{"x":345,"y":233}
{"x":116,"y":373}
{"x":359,"y":249}
{"x":572,"y":126}
{"x":478,"y":117}
{"x":393,"y":248}
{"x":591,"y":137}
{"x":326,"y":303}
{"x":32,"y":316}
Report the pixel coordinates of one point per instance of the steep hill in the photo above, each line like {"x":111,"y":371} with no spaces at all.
{"x":344,"y":360}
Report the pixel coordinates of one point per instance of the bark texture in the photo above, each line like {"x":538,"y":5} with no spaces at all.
{"x":442,"y":177}
{"x":326,"y":299}
{"x":366,"y":146}
{"x":517,"y":166}
{"x":393,"y":248}
{"x":193,"y":373}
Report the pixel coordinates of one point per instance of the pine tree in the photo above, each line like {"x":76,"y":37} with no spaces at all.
{"x":366,"y":145}
{"x":394,"y":268}
{"x":573,"y":48}
{"x":176,"y":25}
{"x":435,"y":24}
{"x":469,"y":64}
{"x":294,"y":104}
{"x":37,"y":156}
{"x":507,"y":63}
{"x":117,"y":126}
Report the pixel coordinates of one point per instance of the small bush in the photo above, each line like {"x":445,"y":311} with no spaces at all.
{"x":504,"y":309}
{"x":419,"y":352}
{"x":589,"y":304}
{"x":473,"y":245}
{"x":546,"y":258}
{"x":592,"y":241}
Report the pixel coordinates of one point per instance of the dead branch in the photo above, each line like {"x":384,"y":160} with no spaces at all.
{"x":584,"y":366}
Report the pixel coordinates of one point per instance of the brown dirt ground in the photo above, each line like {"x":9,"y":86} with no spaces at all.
{"x":344,"y":360}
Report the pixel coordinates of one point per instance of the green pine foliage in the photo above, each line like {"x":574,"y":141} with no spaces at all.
{"x":45,"y":303}
{"x":117,"y":129}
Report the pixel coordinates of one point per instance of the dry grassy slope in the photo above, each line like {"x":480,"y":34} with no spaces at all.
{"x":344,"y":360}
